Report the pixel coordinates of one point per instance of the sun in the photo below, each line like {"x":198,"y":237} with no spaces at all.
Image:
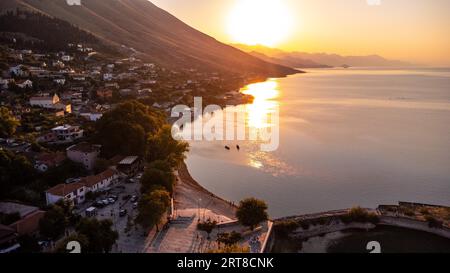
{"x":259,"y":22}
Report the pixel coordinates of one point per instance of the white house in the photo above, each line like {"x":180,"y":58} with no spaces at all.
{"x":67,"y":133}
{"x":101,"y":181}
{"x":44,"y":101}
{"x":25,"y":84}
{"x":66,"y":58}
{"x":76,"y":192}
{"x":84,"y":153}
{"x":92,"y":116}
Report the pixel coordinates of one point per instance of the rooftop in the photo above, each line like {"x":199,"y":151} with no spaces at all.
{"x":95,"y":179}
{"x":85,"y":147}
{"x":128,"y":160}
{"x":13,"y":207}
{"x":65,"y":189}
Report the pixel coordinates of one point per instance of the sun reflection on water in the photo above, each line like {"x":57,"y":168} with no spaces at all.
{"x":264,"y":104}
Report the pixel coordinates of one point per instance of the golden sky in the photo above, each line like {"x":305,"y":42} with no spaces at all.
{"x":410,"y":30}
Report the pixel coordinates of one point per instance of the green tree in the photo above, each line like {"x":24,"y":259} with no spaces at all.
{"x":54,"y":223}
{"x":162,"y":146}
{"x":15,"y":171}
{"x":99,"y":234}
{"x":158,"y":173}
{"x":8,"y":123}
{"x":207,"y":226}
{"x":251,"y":212}
{"x":152,"y":207}
{"x":124,"y":130}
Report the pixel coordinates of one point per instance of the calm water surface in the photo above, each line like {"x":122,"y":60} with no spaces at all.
{"x":347,"y":137}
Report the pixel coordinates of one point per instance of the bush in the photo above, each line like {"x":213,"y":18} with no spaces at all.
{"x":229,"y":239}
{"x":251,"y":212}
{"x":360,"y":215}
{"x":284,"y":228}
{"x":207,"y":226}
{"x":231,"y":249}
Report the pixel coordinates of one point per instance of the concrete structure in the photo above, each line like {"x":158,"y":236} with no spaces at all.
{"x":130,"y":165}
{"x":84,"y":153}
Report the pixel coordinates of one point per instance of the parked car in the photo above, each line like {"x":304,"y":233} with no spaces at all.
{"x":134,"y":198}
{"x":122,"y":212}
{"x":135,"y":205}
{"x":99,"y":204}
{"x":111,"y":200}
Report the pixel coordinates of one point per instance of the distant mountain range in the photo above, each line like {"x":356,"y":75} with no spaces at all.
{"x":314,"y":60}
{"x":153,"y":32}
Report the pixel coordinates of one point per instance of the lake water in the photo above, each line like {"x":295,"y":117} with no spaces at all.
{"x":347,"y":137}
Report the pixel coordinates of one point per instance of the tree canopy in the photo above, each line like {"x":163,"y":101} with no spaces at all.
{"x":152,"y":207}
{"x":162,"y":146}
{"x":251,"y":212}
{"x":158,"y":173}
{"x":8,"y":123}
{"x":15,"y":171}
{"x":54,"y":223}
{"x":125,"y":129}
{"x":99,"y":234}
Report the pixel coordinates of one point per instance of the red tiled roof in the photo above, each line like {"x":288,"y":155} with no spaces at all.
{"x":52,"y":159}
{"x":65,"y":189}
{"x":28,"y":224}
{"x":95,"y":179}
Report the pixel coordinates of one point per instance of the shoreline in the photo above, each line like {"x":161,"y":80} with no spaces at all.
{"x":186,"y":177}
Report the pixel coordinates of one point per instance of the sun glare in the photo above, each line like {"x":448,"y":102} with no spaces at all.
{"x":263,"y":22}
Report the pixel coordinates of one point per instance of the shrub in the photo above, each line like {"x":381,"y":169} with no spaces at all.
{"x":284,"y":228}
{"x":360,"y":215}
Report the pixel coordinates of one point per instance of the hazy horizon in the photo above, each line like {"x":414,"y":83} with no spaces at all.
{"x":408,"y":30}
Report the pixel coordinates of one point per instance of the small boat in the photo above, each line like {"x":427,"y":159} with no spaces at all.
{"x":228,"y":148}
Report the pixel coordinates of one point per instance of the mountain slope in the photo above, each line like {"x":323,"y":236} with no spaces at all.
{"x":154,"y":32}
{"x":306,"y":59}
{"x":288,"y":61}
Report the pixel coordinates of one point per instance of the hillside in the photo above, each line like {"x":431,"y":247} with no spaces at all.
{"x":28,"y":30}
{"x":308,"y":60}
{"x":155,"y":33}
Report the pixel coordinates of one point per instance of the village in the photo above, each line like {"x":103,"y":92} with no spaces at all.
{"x":57,"y":97}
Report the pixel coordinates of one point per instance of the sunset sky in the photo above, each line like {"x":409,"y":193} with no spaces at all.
{"x":412,"y":30}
